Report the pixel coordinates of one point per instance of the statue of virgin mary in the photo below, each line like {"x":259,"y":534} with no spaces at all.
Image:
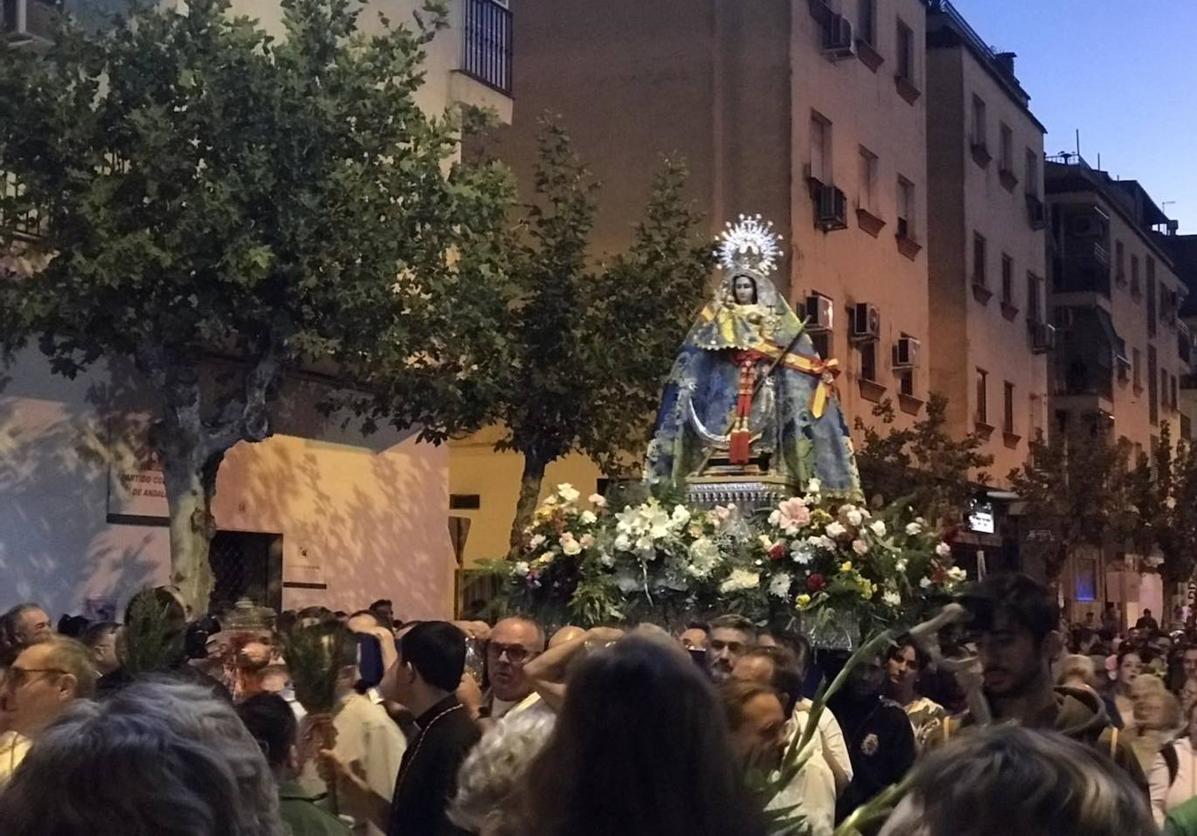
{"x":748,"y":397}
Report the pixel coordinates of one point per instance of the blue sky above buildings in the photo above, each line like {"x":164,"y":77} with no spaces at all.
{"x":1124,"y":74}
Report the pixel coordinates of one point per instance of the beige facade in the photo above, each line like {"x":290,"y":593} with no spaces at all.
{"x":775,"y":108}
{"x":348,"y":518}
{"x":457,"y":69}
{"x":986,"y":246}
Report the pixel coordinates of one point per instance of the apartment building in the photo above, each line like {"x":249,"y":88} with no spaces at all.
{"x":1121,"y":347}
{"x":989,"y":344}
{"x":1115,"y":304}
{"x":811,"y":113}
{"x":1183,"y":249}
{"x":314,"y":515}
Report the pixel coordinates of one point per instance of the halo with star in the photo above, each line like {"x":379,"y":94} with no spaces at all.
{"x":749,"y":244}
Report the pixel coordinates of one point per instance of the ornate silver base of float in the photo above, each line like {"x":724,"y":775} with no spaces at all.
{"x":747,"y":493}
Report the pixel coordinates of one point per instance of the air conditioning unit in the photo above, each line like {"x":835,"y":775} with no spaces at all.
{"x":1043,"y":337}
{"x":30,"y":21}
{"x":819,"y":313}
{"x":1063,"y":318}
{"x":906,"y":353}
{"x":831,"y":208}
{"x":866,"y":322}
{"x":837,"y":38}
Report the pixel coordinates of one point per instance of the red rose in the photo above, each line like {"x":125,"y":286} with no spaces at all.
{"x":777,"y":552}
{"x":815,"y":582}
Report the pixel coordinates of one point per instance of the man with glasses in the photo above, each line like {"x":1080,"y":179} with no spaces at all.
{"x":39,"y":685}
{"x":513,"y":643}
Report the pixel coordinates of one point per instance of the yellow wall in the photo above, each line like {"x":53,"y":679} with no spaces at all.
{"x":474,"y":468}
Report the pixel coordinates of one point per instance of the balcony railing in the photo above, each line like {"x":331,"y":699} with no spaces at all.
{"x":488,"y":44}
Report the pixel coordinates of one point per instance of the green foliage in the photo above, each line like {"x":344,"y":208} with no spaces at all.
{"x":591,"y":343}
{"x":152,"y":640}
{"x":922,"y":466}
{"x":312,"y":654}
{"x":1163,"y":494}
{"x":1075,"y":487}
{"x":205,"y":189}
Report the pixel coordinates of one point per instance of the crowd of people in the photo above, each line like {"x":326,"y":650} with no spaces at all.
{"x":505,"y":730}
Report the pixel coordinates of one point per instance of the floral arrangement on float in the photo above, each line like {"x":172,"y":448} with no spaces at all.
{"x":812,"y":559}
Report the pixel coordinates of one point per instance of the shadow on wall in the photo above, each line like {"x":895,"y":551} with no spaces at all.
{"x":56,"y":546}
{"x":371,"y":513}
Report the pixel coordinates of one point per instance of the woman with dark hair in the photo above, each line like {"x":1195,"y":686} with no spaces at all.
{"x":903,"y":662}
{"x":641,"y":749}
{"x":1130,"y":665}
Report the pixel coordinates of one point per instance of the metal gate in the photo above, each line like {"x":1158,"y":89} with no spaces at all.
{"x":246,"y":565}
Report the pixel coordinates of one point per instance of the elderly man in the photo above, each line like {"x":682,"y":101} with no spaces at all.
{"x":21,"y":626}
{"x":44,"y":679}
{"x":513,"y":642}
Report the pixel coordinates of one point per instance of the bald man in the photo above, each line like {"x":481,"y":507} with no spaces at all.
{"x":514,"y":642}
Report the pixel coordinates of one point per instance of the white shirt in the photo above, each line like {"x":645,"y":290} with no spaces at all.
{"x":812,"y":791}
{"x":13,"y":749}
{"x":1165,"y":798}
{"x":366,"y":734}
{"x":502,"y":708}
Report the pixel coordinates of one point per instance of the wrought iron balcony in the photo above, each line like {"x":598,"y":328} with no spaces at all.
{"x":487,"y":49}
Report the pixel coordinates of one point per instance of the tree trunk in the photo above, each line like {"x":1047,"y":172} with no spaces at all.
{"x":192,"y":449}
{"x":190,"y":486}
{"x":530,"y":481}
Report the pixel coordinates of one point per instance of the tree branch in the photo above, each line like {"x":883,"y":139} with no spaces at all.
{"x":248,"y":418}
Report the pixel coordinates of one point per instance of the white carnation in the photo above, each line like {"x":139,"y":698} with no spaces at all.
{"x":681,"y":515}
{"x":597,"y":500}
{"x":835,"y":530}
{"x":855,"y":518}
{"x":957,"y":574}
{"x":813,"y":486}
{"x":536,"y":542}
{"x":891,"y":597}
{"x":943,"y":550}
{"x":704,"y":557}
{"x":589,"y":517}
{"x":568,"y":492}
{"x":569,"y":544}
{"x":779,"y":585}
{"x":913,"y":529}
{"x":623,"y":543}
{"x":521,"y":568}
{"x":878,"y":528}
{"x":740,"y":579}
{"x":925,"y":583}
